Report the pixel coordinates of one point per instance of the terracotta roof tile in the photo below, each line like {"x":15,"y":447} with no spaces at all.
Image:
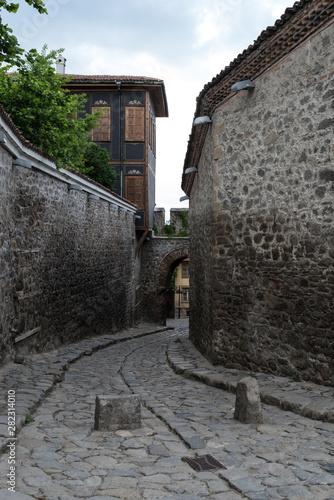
{"x":113,"y":78}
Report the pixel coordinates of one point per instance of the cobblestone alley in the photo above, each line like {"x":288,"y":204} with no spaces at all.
{"x":59,"y":456}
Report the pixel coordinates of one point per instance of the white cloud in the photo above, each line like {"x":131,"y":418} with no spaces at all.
{"x":207,"y":28}
{"x":275,"y":8}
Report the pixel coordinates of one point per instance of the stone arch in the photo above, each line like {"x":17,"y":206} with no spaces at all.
{"x":169,"y":263}
{"x":159,"y":257}
{"x":167,"y":266}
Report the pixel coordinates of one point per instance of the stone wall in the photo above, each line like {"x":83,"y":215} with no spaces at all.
{"x":262,"y":222}
{"x":68,"y":267}
{"x":178,"y":221}
{"x":159,"y":220}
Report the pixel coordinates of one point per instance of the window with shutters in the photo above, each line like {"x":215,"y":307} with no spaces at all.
{"x":185,"y":269}
{"x":134,"y":190}
{"x":185,"y":294}
{"x":134,"y":124}
{"x":101,"y":133}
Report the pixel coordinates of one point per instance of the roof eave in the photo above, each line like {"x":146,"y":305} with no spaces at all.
{"x":156,"y":88}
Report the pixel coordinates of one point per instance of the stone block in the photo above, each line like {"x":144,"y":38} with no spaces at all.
{"x":114,"y":413}
{"x":248,"y":408}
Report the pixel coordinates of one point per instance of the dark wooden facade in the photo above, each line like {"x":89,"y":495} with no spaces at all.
{"x":128,"y":131}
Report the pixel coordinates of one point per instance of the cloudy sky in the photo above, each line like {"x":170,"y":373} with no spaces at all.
{"x":184,"y":42}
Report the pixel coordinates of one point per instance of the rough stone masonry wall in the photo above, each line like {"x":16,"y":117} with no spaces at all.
{"x":201,"y":262}
{"x":67,"y":266}
{"x":272,"y":246}
{"x":178,"y":219}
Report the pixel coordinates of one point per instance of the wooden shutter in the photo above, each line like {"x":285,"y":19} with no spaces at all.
{"x":134,"y":191}
{"x":101,"y":133}
{"x":134,"y":124}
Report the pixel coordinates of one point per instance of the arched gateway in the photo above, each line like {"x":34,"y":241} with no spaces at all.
{"x":160,"y":256}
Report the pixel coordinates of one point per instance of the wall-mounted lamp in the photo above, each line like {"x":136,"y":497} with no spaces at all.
{"x":2,"y":138}
{"x":184,"y":198}
{"x":200,"y":120}
{"x":244,"y":85}
{"x":21,"y":162}
{"x":74,"y":187}
{"x":190,"y":170}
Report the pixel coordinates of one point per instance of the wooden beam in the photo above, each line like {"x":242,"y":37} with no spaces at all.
{"x":141,"y":241}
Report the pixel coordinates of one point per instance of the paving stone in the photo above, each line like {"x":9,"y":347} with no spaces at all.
{"x":258,"y":495}
{"x":279,"y":481}
{"x":218,"y":486}
{"x":229,"y":495}
{"x":35,"y":477}
{"x":158,"y":450}
{"x":325,"y":479}
{"x":246,"y":484}
{"x":295,"y":492}
{"x":76,"y":474}
{"x":117,"y":413}
{"x":102,"y":462}
{"x":121,"y":473}
{"x":123,"y":493}
{"x":302,"y":474}
{"x":195,"y":443}
{"x":93,"y":481}
{"x":102,"y":497}
{"x":156,"y":478}
{"x":4,"y":495}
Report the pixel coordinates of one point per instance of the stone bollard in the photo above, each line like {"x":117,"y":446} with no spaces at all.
{"x":248,"y":408}
{"x":114,"y":413}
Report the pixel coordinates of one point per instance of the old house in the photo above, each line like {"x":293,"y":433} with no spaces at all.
{"x":260,"y":177}
{"x":127,"y":130}
{"x":181,"y":290}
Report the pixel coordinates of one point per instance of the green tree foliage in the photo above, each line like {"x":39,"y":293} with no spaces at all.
{"x":170,"y":231}
{"x":46,"y":113}
{"x":97,"y":166}
{"x":184,"y":216}
{"x":172,"y":281}
{"x":10,"y":51}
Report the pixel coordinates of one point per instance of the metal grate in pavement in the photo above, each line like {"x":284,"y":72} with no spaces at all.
{"x":203,"y":463}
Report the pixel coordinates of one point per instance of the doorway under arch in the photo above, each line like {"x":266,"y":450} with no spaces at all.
{"x":167,"y":268}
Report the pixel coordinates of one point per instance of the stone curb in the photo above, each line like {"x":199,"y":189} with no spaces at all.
{"x":307,"y":399}
{"x":34,"y":378}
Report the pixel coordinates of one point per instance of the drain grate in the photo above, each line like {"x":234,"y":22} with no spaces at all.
{"x":203,"y":463}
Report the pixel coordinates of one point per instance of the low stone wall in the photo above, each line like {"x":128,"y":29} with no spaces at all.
{"x":67,"y":246}
{"x":262,"y":222}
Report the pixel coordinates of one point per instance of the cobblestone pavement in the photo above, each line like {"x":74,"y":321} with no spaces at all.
{"x":60,"y":456}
